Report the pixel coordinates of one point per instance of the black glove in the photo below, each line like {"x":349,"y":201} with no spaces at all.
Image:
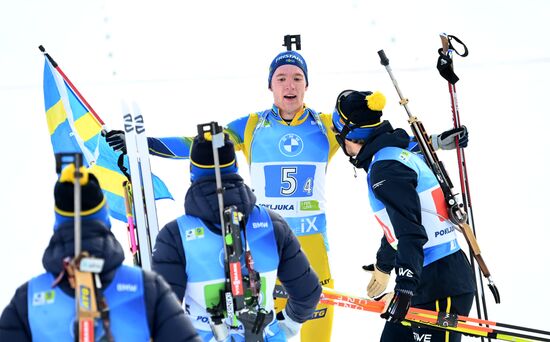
{"x":397,"y":308}
{"x":446,"y":140}
{"x":117,"y":140}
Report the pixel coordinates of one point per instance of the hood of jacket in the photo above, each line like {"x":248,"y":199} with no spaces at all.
{"x":201,"y":199}
{"x":97,"y":240}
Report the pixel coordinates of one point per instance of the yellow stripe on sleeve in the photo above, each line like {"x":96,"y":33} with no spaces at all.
{"x":326,"y":119}
{"x":248,"y":132}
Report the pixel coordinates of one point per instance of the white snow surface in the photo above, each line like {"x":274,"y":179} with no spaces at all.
{"x":187,"y":63}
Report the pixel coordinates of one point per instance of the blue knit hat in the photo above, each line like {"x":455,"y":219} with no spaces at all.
{"x":202,"y":157}
{"x":93,"y":204}
{"x":287,"y":57}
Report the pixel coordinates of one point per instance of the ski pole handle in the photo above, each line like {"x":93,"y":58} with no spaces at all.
{"x":383,"y":59}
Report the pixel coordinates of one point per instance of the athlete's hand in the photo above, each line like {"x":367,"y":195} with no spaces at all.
{"x":288,"y":325}
{"x":397,"y":305}
{"x":378,"y":281}
{"x":446,"y":140}
{"x":117,"y":140}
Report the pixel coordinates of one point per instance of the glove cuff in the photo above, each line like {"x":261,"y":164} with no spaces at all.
{"x":434,"y":138}
{"x":381,"y":270}
{"x":406,"y":292}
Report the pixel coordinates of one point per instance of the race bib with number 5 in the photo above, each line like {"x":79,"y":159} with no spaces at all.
{"x":289,"y":180}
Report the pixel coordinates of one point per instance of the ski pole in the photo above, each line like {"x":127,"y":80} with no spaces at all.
{"x":457,"y":215}
{"x":446,"y":70}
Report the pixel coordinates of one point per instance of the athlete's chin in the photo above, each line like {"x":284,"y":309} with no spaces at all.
{"x":292,"y":107}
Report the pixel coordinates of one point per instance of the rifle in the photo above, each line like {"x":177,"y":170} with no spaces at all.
{"x":455,"y":209}
{"x":83,"y":270}
{"x":236,"y":302}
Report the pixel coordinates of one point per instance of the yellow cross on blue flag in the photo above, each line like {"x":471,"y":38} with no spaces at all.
{"x":74,"y":128}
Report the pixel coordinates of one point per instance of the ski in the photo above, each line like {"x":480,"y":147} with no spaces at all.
{"x":440,"y":320}
{"x":147,"y":177}
{"x":142,"y":186}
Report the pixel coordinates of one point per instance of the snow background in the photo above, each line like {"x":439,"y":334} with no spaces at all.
{"x":193,"y":62}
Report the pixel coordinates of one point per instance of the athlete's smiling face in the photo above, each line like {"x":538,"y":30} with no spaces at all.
{"x":289,"y":87}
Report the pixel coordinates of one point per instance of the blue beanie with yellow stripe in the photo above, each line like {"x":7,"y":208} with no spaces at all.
{"x":284,"y":58}
{"x":202,"y":157}
{"x":93,"y":204}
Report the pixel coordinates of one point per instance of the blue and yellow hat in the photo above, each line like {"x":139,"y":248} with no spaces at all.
{"x":202,"y":157}
{"x":287,"y":57}
{"x":358,"y":113}
{"x":93,"y":206}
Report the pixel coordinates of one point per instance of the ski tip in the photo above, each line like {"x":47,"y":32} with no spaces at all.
{"x":41,"y":48}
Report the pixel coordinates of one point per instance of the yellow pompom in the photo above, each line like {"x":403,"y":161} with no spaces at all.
{"x":376,"y":101}
{"x":67,"y":175}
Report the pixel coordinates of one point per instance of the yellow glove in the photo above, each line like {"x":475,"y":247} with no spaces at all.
{"x":378,"y":281}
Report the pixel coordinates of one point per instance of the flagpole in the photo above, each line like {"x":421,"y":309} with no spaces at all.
{"x":71,"y":85}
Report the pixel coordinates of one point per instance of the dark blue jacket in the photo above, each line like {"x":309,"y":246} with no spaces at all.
{"x":167,"y":320}
{"x":294,"y":271}
{"x":449,"y":276}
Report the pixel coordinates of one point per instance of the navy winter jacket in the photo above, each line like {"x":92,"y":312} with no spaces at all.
{"x":294,"y":271}
{"x":167,"y":320}
{"x":449,"y":276}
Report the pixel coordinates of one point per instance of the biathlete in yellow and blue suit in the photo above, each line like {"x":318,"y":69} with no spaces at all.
{"x":287,"y":148}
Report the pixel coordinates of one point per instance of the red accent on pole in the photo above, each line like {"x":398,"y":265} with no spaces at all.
{"x":73,"y":88}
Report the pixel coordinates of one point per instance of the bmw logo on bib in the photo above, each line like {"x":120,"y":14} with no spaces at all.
{"x":291,"y":145}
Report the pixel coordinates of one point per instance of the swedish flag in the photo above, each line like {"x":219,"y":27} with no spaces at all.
{"x":73,"y":128}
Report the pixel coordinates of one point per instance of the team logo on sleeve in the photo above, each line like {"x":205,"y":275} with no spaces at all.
{"x":291,"y":145}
